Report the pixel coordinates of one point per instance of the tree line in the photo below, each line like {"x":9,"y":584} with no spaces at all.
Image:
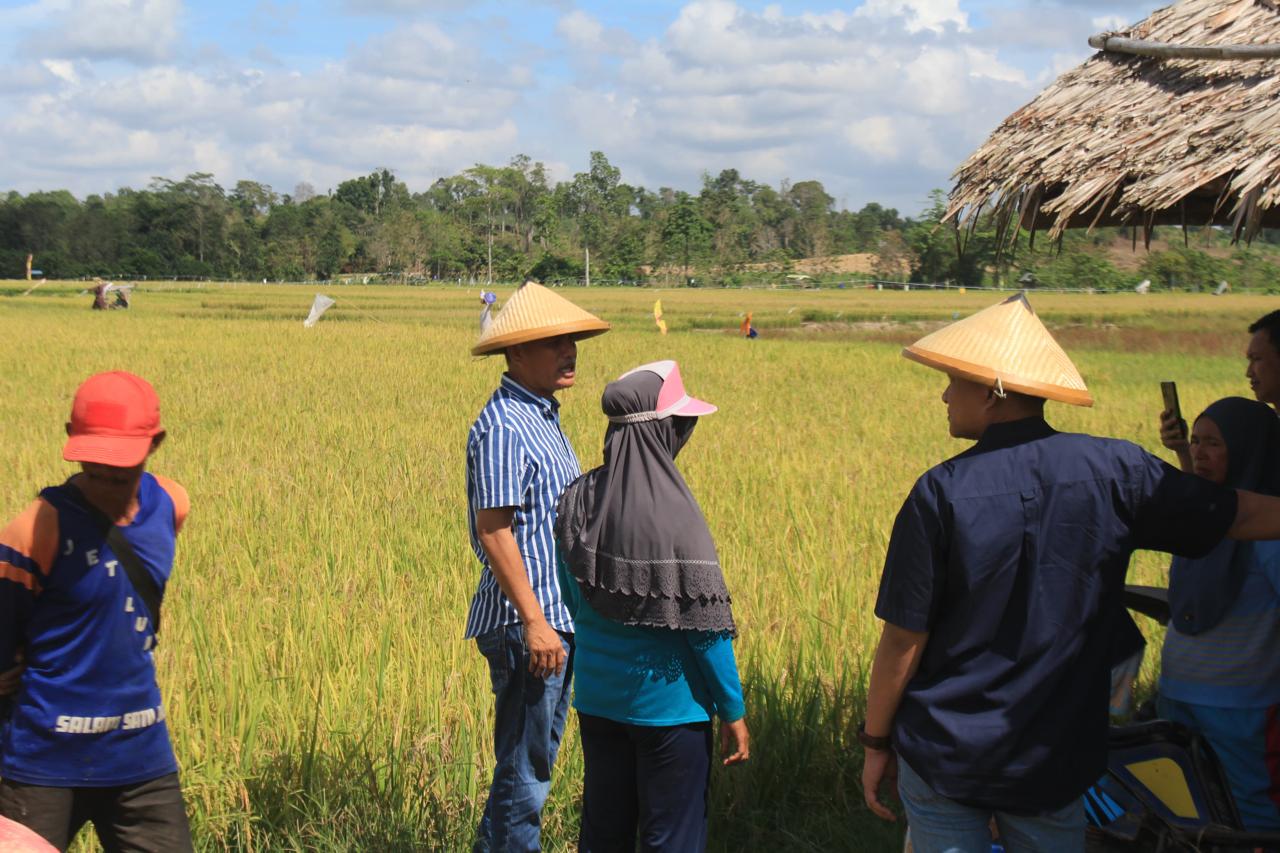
{"x":486,"y":223}
{"x":502,"y":223}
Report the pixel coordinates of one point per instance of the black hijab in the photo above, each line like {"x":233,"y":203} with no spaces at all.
{"x":630,"y":531}
{"x":1202,"y":591}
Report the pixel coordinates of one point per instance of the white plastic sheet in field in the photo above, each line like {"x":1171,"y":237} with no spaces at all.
{"x":320,"y":305}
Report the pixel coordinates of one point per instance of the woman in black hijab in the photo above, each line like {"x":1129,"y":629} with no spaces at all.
{"x":1220,"y":671}
{"x":654,"y":628}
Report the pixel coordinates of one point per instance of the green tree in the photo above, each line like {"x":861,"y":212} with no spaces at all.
{"x":592,"y":199}
{"x":812,"y":205}
{"x":685,"y":229}
{"x":374,"y":193}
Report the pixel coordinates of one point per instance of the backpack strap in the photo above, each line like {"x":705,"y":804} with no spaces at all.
{"x":143,"y":583}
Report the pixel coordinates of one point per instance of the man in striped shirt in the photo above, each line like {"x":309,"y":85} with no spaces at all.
{"x":518,"y":463}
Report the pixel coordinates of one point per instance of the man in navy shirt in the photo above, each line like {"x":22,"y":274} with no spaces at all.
{"x":1001,"y":588}
{"x":518,"y":463}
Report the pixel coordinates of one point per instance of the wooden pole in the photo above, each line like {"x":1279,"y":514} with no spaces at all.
{"x":29,"y":258}
{"x":1162,"y":50}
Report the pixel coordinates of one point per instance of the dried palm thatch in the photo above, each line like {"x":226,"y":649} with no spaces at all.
{"x":1127,"y":139}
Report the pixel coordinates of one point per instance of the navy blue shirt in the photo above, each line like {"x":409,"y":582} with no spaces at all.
{"x":1012,"y":556}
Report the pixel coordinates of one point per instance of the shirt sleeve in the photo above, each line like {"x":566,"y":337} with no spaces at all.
{"x":714,"y":655}
{"x":915,"y":565}
{"x":1177,"y":512}
{"x":28,"y":547}
{"x":503,"y":471}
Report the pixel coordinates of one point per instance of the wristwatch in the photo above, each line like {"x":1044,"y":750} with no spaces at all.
{"x":881,"y":744}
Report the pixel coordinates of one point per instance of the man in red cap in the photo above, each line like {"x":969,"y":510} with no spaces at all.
{"x":82,"y":572}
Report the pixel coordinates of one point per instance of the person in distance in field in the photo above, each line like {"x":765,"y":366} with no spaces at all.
{"x":655,"y":663}
{"x":1263,"y":372}
{"x":82,"y":572}
{"x":518,"y":463}
{"x":1002,"y":591}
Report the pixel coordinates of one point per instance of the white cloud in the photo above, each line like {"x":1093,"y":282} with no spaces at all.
{"x":401,"y":7}
{"x":138,"y":31}
{"x":62,"y":69}
{"x":875,"y":136}
{"x":1110,"y":22}
{"x":833,"y":96}
{"x":581,"y":31}
{"x":416,"y":100}
{"x":918,"y":15}
{"x":878,"y":101}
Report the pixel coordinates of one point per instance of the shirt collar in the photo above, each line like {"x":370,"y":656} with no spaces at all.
{"x":1012,"y":433}
{"x":547,"y":404}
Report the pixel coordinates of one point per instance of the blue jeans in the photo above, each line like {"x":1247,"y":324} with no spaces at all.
{"x":941,"y":825}
{"x":529,"y":721}
{"x":1247,"y":743}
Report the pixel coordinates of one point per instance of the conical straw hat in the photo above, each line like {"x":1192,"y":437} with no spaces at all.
{"x":1008,"y":346}
{"x":533,"y":313}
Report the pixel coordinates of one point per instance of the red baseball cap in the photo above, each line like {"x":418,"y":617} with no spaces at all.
{"x":113,"y":420}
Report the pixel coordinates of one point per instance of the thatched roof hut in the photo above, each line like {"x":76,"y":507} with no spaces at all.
{"x":1146,"y":132}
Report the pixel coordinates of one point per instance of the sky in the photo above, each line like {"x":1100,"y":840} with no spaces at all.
{"x":880,"y":100}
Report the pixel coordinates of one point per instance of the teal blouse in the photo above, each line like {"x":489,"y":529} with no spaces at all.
{"x":649,"y":676}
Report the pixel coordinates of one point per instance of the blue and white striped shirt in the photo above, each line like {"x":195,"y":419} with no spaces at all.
{"x":517,"y":456}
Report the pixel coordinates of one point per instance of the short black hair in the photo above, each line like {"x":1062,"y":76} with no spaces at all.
{"x":1271,"y":322}
{"x":1027,"y":399}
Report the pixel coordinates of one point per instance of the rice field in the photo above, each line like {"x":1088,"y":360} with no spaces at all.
{"x":318,"y":690}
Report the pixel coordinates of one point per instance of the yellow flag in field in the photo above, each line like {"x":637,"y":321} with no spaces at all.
{"x":657,"y":316}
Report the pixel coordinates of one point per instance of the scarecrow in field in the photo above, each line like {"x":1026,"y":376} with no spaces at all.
{"x":82,"y":573}
{"x":1002,"y":591}
{"x":518,"y":463}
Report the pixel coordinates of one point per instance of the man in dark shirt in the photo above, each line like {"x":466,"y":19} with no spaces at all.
{"x":1001,"y":587}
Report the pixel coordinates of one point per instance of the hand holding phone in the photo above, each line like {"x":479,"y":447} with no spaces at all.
{"x":1173,"y":429}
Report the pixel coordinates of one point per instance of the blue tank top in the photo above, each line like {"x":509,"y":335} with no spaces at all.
{"x":88,"y":713}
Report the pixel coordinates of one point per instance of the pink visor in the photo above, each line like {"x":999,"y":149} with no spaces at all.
{"x":673,"y":400}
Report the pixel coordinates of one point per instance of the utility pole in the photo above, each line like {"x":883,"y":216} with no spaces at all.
{"x":587,"y":249}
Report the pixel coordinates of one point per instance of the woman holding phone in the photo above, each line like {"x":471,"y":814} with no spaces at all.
{"x":1220,"y":673}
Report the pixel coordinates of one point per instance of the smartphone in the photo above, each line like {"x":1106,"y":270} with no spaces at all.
{"x":1170,"y":392}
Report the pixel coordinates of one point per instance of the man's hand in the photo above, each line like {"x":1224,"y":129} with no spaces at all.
{"x":493,"y":528}
{"x":879,"y":765}
{"x":546,"y":651}
{"x":735,"y":742}
{"x":11,"y":678}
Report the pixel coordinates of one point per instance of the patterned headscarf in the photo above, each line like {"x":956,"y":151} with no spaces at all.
{"x":630,"y":531}
{"x":1202,"y":591}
